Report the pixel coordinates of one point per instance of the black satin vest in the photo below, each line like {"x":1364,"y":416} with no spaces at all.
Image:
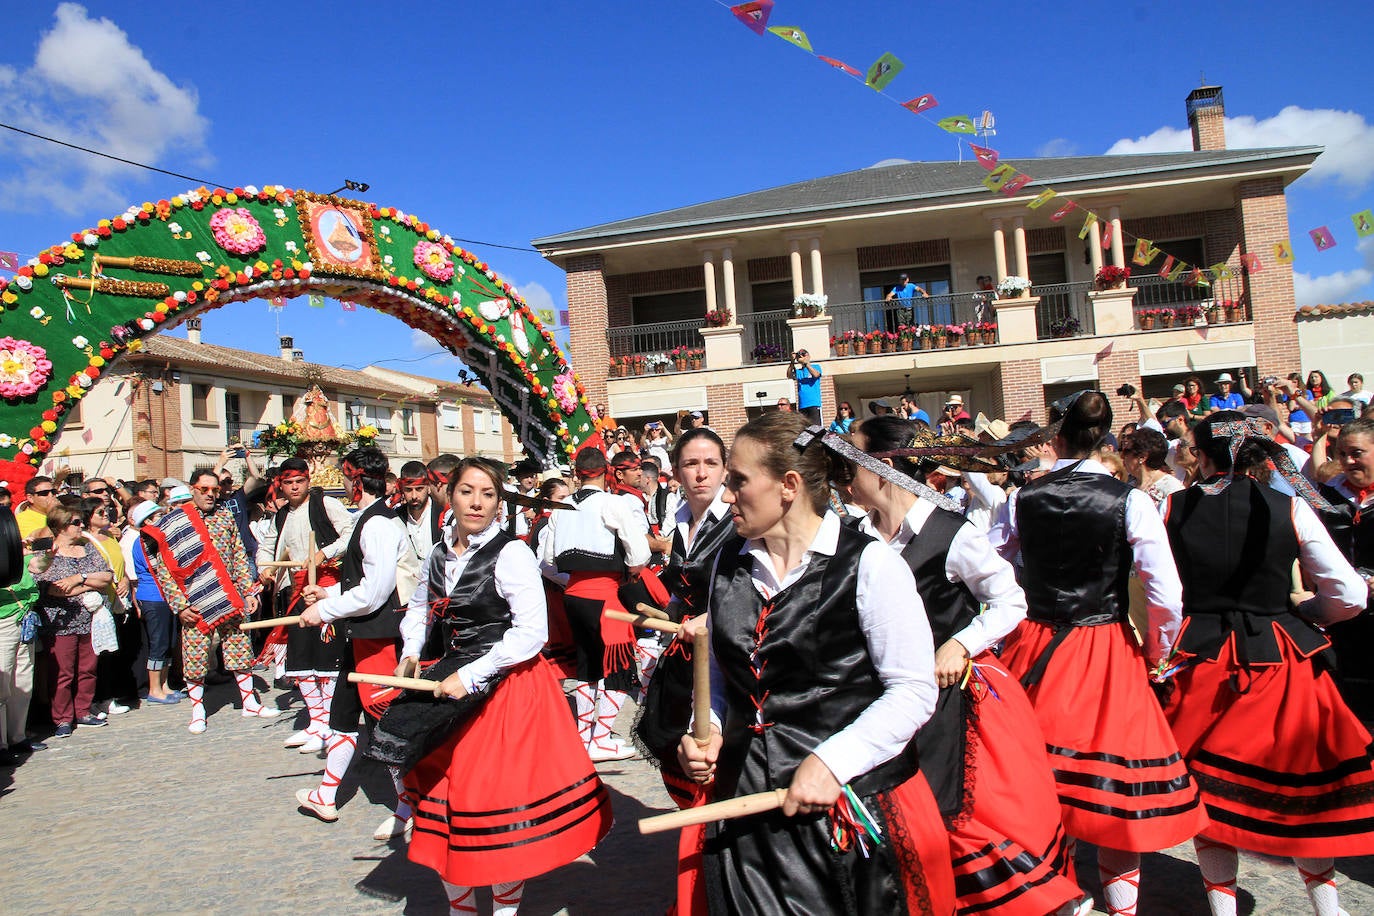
{"x":688,"y":573}
{"x":1235,"y":553}
{"x":475,"y":616}
{"x":1355,"y":541}
{"x":950,"y":606}
{"x":1073,"y":540}
{"x":816,"y":677}
{"x":385,"y":621}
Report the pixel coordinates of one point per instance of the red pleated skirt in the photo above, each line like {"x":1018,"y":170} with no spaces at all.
{"x":1007,"y":844}
{"x":511,"y":794}
{"x":560,"y":649}
{"x":1122,"y":783}
{"x":1284,"y":767}
{"x":913,"y":828}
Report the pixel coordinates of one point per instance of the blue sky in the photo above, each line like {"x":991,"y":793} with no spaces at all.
{"x":506,"y":122}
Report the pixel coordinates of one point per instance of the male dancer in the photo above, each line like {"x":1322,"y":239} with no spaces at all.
{"x":597,"y":546}
{"x":626,"y":480}
{"x":313,"y":662}
{"x":526,"y":474}
{"x":437,"y":472}
{"x":378,"y":573}
{"x":419,"y":512}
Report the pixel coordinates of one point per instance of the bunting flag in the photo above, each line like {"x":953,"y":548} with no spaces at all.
{"x":1019,"y":181}
{"x":1106,"y":236}
{"x":1364,"y":223}
{"x":840,"y":65}
{"x":1042,"y":198}
{"x":1088,"y":223}
{"x":9,"y":260}
{"x":349,"y":306}
{"x":1283,"y":252}
{"x":1144,"y":252}
{"x":1064,"y":210}
{"x":563,"y":318}
{"x":88,"y":436}
{"x":1180,"y":267}
{"x":920,"y":103}
{"x":998,"y":177}
{"x":1167,"y":266}
{"x":1103,"y":353}
{"x":792,"y":35}
{"x":957,"y":124}
{"x":1221,"y":271}
{"x":316,"y":301}
{"x":987,"y":158}
{"x":547,"y":317}
{"x":883,"y":71}
{"x":1251,"y":263}
{"x":754,"y":15}
{"x":1195,"y":278}
{"x":1322,"y":238}
{"x":277,"y":302}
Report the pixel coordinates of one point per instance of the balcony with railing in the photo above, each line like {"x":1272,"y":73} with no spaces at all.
{"x":766,"y":334}
{"x":1163,"y":303}
{"x":1064,"y":310}
{"x":653,"y":339}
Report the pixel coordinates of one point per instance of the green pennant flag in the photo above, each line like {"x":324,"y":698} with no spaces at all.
{"x":1364,"y":223}
{"x":883,"y":71}
{"x":547,"y":317}
{"x":792,"y":35}
{"x":957,"y":124}
{"x":316,"y":301}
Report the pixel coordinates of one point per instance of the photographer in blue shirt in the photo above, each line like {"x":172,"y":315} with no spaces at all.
{"x":807,"y":375}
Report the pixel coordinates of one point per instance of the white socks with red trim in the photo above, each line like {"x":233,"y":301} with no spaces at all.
{"x":310,"y":696}
{"x":251,"y":703}
{"x":647,"y":649}
{"x":1320,"y":877}
{"x":195,"y":690}
{"x":505,"y":899}
{"x":341,"y":746}
{"x":1218,"y":863}
{"x":403,"y":812}
{"x":1120,"y":874}
{"x":584,"y":695}
{"x":608,"y":703}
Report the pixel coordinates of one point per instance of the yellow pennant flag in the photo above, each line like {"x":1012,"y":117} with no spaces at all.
{"x":1087,"y":225}
{"x":792,"y":35}
{"x":1283,"y":252}
{"x":998,"y":177}
{"x":1364,"y":223}
{"x":1221,"y":271}
{"x":1144,"y":252}
{"x":883,"y":71}
{"x":1041,"y":199}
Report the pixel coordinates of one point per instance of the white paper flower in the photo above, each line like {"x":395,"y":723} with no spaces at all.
{"x":145,"y":323}
{"x":80,"y":342}
{"x":84,"y":380}
{"x":203,"y":257}
{"x":90,"y":240}
{"x":174,"y":228}
{"x":179,"y":295}
{"x":24,"y":283}
{"x":419,"y":281}
{"x":291,"y":246}
{"x":250,"y":190}
{"x":279,"y":213}
{"x":386,"y":259}
{"x":6,"y":440}
{"x":384,"y":230}
{"x":37,"y":313}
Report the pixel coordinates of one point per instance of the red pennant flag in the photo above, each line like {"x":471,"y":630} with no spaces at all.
{"x":920,"y":103}
{"x":1167,"y":267}
{"x":349,"y":307}
{"x":9,"y":260}
{"x":1018,"y":181}
{"x":88,"y":436}
{"x":840,"y":65}
{"x":1106,"y":236}
{"x":987,"y":158}
{"x":1322,"y":238}
{"x":754,"y":15}
{"x":1103,"y":353}
{"x":1251,"y":263}
{"x":1068,"y":207}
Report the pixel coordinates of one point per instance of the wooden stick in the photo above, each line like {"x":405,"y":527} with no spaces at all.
{"x":280,"y":564}
{"x":310,"y":563}
{"x":743,"y":806}
{"x":648,"y":610}
{"x":701,"y":688}
{"x":140,"y":289}
{"x":647,"y":623}
{"x":423,"y":685}
{"x":271,"y":622}
{"x":154,"y":265}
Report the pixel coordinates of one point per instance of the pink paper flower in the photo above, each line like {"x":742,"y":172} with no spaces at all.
{"x":434,"y":261}
{"x":565,"y":389}
{"x":24,"y":368}
{"x":237,"y":231}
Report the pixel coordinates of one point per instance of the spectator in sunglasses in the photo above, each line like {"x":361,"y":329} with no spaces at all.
{"x":39,"y":496}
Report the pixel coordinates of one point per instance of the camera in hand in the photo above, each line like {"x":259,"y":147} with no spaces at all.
{"x":1270,"y":380}
{"x":1126,"y":391}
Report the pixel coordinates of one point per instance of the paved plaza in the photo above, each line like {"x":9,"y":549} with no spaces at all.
{"x":143,"y":817}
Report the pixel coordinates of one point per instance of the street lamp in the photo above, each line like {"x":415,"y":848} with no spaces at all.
{"x":355,"y":410}
{"x":351,"y":185}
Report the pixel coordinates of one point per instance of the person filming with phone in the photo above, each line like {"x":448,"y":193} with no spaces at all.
{"x":807,"y":375}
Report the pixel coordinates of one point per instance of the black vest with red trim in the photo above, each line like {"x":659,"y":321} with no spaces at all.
{"x":319,"y":519}
{"x":688,"y":573}
{"x":582,"y":542}
{"x":815,"y":676}
{"x":1073,"y":541}
{"x":1235,"y":551}
{"x":475,"y":616}
{"x":1355,"y":539}
{"x":385,"y":621}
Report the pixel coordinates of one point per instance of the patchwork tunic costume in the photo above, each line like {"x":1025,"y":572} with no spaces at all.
{"x":982,"y":751}
{"x":501,"y":787}
{"x":824,"y":662}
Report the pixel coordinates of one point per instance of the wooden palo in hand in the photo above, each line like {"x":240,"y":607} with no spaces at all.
{"x":743,"y":806}
{"x":310,"y":563}
{"x":423,"y":685}
{"x":647,"y":623}
{"x":701,"y":688}
{"x":280,"y":564}
{"x":648,"y":610}
{"x":271,"y":622}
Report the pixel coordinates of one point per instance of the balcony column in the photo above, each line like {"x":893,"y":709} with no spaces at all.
{"x":1118,"y":250}
{"x":1095,"y":246}
{"x":1018,"y":235}
{"x":797,"y":287}
{"x":708,"y":270}
{"x":727,"y":277}
{"x":999,"y":248}
{"x":817,"y":278}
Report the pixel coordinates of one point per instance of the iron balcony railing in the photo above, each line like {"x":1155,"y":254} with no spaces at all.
{"x":881,"y":315}
{"x":1154,"y":292}
{"x":652,"y":339}
{"x":1064,"y":310}
{"x":766,"y":334}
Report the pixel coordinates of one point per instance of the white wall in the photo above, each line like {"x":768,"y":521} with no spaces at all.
{"x":1338,"y":345}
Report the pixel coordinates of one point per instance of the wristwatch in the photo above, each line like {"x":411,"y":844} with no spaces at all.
{"x":83,"y":578}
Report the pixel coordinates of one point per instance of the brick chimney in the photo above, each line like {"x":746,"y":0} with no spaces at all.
{"x":287,"y":346}
{"x":193,"y":330}
{"x":1207,"y":118}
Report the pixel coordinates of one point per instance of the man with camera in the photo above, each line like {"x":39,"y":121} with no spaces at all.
{"x":807,"y":375}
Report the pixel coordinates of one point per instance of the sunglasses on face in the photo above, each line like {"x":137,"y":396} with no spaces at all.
{"x":100,"y":492}
{"x":43,"y":492}
{"x":206,"y":489}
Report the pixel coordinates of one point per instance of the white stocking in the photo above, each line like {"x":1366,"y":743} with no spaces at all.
{"x":1120,"y":874}
{"x":403,"y":812}
{"x":462,"y":901}
{"x":584,"y":694}
{"x":250,"y":701}
{"x":1320,"y":877}
{"x":326,"y":683}
{"x":195,"y":690}
{"x":341,"y":746}
{"x":608,"y":703}
{"x":310,"y":696}
{"x":647,"y":649}
{"x":505,"y":898}
{"x":1218,"y":863}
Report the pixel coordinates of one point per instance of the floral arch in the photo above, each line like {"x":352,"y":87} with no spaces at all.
{"x":75,"y":310}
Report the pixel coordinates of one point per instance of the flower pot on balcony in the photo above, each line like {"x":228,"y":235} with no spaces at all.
{"x":841,"y":348}
{"x":696,"y":362}
{"x":926,"y":343}
{"x":680,"y":363}
{"x":941,"y":341}
{"x":860,"y":347}
{"x":1212,"y":316}
{"x":1166,"y":320}
{"x":1147,"y":322}
{"x":908,"y":343}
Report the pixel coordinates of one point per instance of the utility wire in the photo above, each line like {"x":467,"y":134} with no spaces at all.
{"x":208,"y":183}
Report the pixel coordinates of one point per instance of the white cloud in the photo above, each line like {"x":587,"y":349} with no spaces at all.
{"x":91,"y":86}
{"x":536,"y":296}
{"x":1059,"y":146}
{"x":1347,"y":136}
{"x":421,"y":342}
{"x":1340,"y":286}
{"x":884,"y":163}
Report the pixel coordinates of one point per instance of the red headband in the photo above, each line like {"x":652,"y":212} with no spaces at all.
{"x":413,"y":482}
{"x":438,"y":478}
{"x":631,"y":465}
{"x":287,"y":476}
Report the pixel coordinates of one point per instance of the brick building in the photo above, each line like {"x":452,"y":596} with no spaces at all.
{"x":638,"y":288}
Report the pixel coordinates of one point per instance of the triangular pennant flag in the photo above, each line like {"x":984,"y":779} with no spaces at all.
{"x":1064,"y":210}
{"x":998,"y":177}
{"x":1221,"y":271}
{"x":1087,"y":224}
{"x":1144,"y":252}
{"x":754,"y":15}
{"x":883,"y":71}
{"x":1167,"y":266}
{"x":840,"y":65}
{"x":9,"y":260}
{"x":792,"y":35}
{"x":1322,"y":238}
{"x":1195,"y":278}
{"x":987,"y":158}
{"x":1283,"y":252}
{"x":563,"y":318}
{"x":1106,"y":236}
{"x":1019,"y":181}
{"x":1042,"y":198}
{"x":920,"y":103}
{"x":349,"y":306}
{"x":957,"y":124}
{"x":1251,"y":263}
{"x":88,"y":436}
{"x":1364,"y":224}
{"x":316,"y":301}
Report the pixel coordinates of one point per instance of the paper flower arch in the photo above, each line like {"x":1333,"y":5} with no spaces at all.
{"x":24,"y":368}
{"x":237,"y":231}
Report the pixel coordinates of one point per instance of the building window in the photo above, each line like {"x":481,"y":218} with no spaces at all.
{"x":450,"y":416}
{"x":769,"y":297}
{"x":660,"y":307}
{"x":933,"y":278}
{"x":496,"y":421}
{"x":407,"y":421}
{"x":288,"y":406}
{"x":479,"y":421}
{"x":200,"y":403}
{"x":379,"y":417}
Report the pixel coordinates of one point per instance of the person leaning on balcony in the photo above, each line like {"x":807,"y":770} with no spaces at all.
{"x":905,"y":291}
{"x":807,"y":375}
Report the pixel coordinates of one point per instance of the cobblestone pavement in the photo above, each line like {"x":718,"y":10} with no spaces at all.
{"x":143,"y":817}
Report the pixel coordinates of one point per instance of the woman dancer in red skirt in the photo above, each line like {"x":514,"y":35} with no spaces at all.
{"x":1122,"y":783}
{"x":503,"y":789}
{"x":982,"y":751}
{"x":1283,"y":764}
